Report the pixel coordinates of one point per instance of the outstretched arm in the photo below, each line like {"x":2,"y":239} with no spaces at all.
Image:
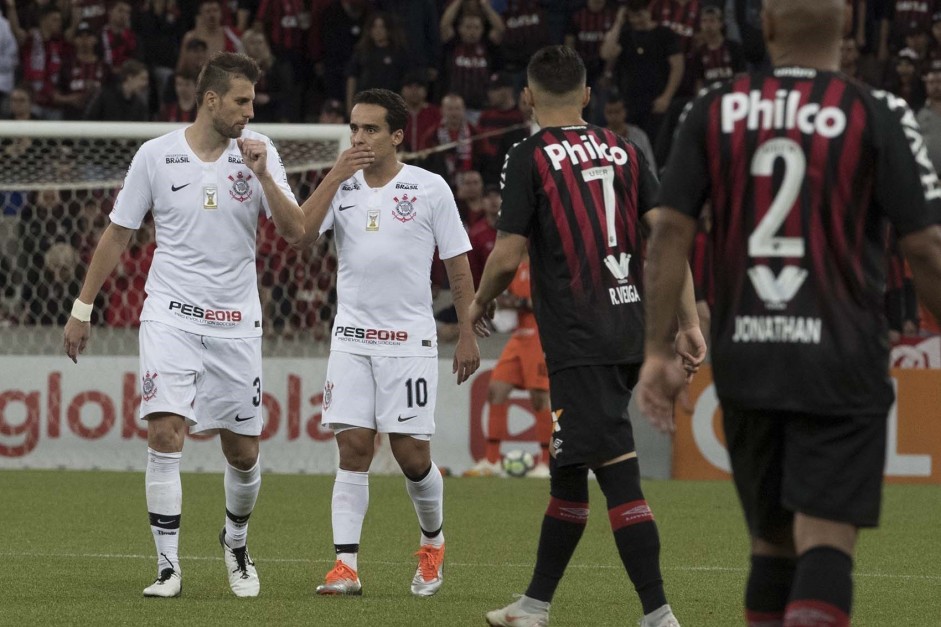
{"x":287,"y":215}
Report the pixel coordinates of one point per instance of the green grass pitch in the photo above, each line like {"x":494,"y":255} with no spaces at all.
{"x":75,"y":548}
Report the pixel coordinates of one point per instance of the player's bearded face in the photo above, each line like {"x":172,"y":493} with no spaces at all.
{"x":234,"y":109}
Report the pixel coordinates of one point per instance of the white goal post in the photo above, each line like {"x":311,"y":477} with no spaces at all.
{"x":39,"y":155}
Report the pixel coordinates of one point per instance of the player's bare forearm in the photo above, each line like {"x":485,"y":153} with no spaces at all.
{"x":316,"y":206}
{"x":287,"y":215}
{"x":466,"y":353}
{"x":462,"y":289}
{"x":664,"y":275}
{"x":923,"y":251}
{"x":687,"y":315}
{"x":107,"y":254}
{"x":501,"y":266}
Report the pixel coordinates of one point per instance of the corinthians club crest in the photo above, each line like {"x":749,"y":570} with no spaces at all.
{"x":404,"y":209}
{"x":327,"y":395}
{"x":149,"y":385}
{"x":241,"y":190}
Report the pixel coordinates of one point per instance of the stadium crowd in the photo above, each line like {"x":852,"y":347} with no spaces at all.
{"x":459,"y":64}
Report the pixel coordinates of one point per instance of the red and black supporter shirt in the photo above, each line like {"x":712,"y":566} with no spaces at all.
{"x":682,"y":19}
{"x":577,"y":193}
{"x":718,"y":64}
{"x":803,"y":168}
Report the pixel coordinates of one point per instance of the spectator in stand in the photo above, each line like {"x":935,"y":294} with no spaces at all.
{"x":419,"y":19}
{"x":929,"y":118}
{"x":615,"y":119}
{"x":46,"y":300}
{"x":210,"y":29}
{"x":683,"y":18}
{"x":275,"y":93}
{"x":124,"y":100}
{"x":9,"y":60}
{"x":421,"y":113}
{"x":286,"y":25}
{"x":453,"y":129}
{"x":81,"y":76}
{"x":716,"y":58}
{"x":501,"y":114}
{"x":124,"y":289}
{"x":743,"y":24}
{"x":526,"y":31}
{"x":94,"y":13}
{"x":470,"y":59}
{"x":470,"y":197}
{"x":649,"y":64}
{"x":483,"y":234}
{"x":586,"y":31}
{"x":40,"y":226}
{"x":193,"y":56}
{"x":899,"y":19}
{"x":183,"y":106}
{"x":905,"y":80}
{"x":159,"y":32}
{"x":934,"y":40}
{"x":340,"y":29}
{"x":23,"y":149}
{"x":332,"y":112}
{"x":42,"y":50}
{"x":118,"y":41}
{"x":380,"y":58}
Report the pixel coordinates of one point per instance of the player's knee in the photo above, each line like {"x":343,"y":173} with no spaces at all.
{"x":568,"y":483}
{"x":165,"y":433}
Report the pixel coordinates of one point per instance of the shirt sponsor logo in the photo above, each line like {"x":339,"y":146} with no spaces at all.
{"x":235,"y":159}
{"x":370,"y":336}
{"x":590,"y":149}
{"x":177,"y":159}
{"x":207,"y":316}
{"x":783,"y":112}
{"x":352,"y":186}
{"x":408,"y":186}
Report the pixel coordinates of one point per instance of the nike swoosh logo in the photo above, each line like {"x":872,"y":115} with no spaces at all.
{"x":344,"y":208}
{"x":237,"y":419}
{"x":407,"y":418}
{"x":164,"y":522}
{"x":174,"y":188}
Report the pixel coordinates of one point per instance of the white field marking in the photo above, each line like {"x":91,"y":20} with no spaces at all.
{"x":289,"y":560}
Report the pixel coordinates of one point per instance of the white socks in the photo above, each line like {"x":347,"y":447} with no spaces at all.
{"x":164,"y":504}
{"x":350,"y":501}
{"x":428,"y":498}
{"x":241,"y":491}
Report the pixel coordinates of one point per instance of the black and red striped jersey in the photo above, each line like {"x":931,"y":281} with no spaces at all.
{"x":718,"y":64}
{"x":589,"y":28}
{"x":680,"y":17}
{"x":803,"y":169}
{"x":578,"y":193}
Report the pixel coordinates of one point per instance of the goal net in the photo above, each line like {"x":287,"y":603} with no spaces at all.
{"x":57,"y":185}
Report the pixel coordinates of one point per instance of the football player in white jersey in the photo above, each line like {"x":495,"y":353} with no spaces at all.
{"x":382,"y":375}
{"x":200,"y":334}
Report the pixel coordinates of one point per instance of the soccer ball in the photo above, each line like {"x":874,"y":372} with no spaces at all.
{"x":517,"y":463}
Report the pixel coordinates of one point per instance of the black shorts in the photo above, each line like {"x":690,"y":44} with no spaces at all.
{"x":589,"y":406}
{"x":828,"y":467}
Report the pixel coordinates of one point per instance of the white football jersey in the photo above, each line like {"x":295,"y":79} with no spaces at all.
{"x":386,"y":240}
{"x":202,"y":278}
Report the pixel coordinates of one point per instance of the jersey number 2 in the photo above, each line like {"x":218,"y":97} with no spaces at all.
{"x":764,"y":242}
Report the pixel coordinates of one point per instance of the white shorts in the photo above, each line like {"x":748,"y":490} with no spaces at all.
{"x":213,"y":382}
{"x":383,"y":393}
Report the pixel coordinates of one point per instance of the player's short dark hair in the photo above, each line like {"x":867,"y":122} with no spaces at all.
{"x":219,"y":71}
{"x":394,"y":104}
{"x":557,"y":69}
